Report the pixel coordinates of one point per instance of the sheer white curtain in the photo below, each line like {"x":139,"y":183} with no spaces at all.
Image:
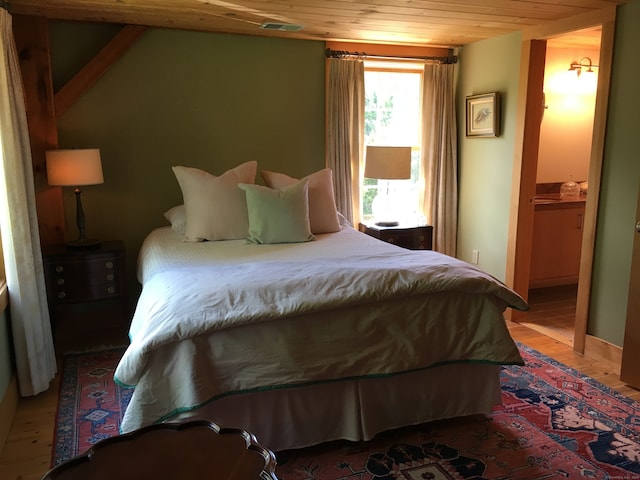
{"x":345,"y":133}
{"x":439,"y":162}
{"x":33,"y":343}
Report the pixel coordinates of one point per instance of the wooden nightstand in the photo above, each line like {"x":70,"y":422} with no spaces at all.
{"x":417,"y":237}
{"x":87,"y":294}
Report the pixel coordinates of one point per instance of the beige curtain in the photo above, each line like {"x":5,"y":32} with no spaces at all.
{"x":439,"y":162}
{"x":32,"y":339}
{"x":345,"y":133}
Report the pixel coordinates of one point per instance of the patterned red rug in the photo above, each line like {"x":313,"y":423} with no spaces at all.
{"x":554,"y":423}
{"x":91,"y":404}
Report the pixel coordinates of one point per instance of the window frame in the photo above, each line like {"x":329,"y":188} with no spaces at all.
{"x":393,"y":66}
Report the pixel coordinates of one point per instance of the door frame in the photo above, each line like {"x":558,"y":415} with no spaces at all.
{"x":529,"y":115}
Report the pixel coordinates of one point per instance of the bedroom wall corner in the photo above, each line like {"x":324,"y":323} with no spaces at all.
{"x":486,"y":164}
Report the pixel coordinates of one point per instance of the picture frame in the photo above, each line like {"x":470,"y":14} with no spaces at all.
{"x":483,"y":115}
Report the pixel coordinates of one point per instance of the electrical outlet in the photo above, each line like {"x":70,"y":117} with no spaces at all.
{"x":474,"y":256}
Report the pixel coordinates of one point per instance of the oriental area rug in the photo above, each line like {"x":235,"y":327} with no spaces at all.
{"x":554,"y":423}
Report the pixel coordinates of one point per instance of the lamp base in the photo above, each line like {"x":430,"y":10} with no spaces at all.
{"x":83,"y":243}
{"x":384,"y":210}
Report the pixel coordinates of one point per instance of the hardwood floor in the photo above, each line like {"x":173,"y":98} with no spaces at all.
{"x":552,"y":312}
{"x":27,"y":454}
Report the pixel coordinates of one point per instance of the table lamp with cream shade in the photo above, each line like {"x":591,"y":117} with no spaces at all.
{"x":387,"y":163}
{"x":76,"y":168}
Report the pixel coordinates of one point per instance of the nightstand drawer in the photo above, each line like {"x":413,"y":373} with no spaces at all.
{"x":93,"y":278}
{"x":84,"y":275}
{"x":78,"y":288}
{"x":418,"y":237}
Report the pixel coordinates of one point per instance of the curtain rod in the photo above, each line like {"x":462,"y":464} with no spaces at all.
{"x":345,"y":54}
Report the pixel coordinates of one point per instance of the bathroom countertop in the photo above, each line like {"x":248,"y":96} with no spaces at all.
{"x":556,"y":199}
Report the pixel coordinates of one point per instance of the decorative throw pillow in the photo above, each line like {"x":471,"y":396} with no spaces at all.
{"x":323,"y":215}
{"x":216,"y":208}
{"x":278,"y":216}
{"x":177,"y":217}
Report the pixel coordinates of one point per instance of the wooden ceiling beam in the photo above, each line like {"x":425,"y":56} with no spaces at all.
{"x":96,"y":67}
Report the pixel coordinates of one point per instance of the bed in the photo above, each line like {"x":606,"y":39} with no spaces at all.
{"x":263,"y":309}
{"x":341,"y":337}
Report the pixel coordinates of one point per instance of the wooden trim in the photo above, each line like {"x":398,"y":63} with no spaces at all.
{"x":32,"y":42}
{"x":599,"y":349}
{"x":528,"y":119}
{"x":98,"y":65}
{"x":595,"y":178}
{"x":565,"y":25}
{"x":8,"y":408}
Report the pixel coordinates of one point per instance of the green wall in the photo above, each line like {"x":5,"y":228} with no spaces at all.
{"x":620,"y":185}
{"x":486,"y":164}
{"x":204,"y":100}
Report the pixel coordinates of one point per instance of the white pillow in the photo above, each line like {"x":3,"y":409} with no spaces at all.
{"x":323,"y":214}
{"x":177,"y":217}
{"x":216,"y":208}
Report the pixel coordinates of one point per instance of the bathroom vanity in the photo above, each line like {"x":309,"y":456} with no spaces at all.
{"x":557,"y":240}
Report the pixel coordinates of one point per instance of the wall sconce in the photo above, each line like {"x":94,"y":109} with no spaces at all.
{"x":586,"y":63}
{"x":387,"y":163}
{"x":75,"y":168}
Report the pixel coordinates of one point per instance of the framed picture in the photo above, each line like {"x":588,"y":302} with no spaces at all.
{"x":483,"y":115}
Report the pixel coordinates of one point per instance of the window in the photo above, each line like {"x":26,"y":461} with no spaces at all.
{"x":393,"y":118}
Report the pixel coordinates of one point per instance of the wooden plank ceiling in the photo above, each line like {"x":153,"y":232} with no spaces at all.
{"x":451,"y":23}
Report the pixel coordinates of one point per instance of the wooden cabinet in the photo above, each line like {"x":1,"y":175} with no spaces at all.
{"x":418,"y":237}
{"x":556,"y":244}
{"x":86,"y":292}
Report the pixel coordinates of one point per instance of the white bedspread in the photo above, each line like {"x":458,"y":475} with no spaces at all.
{"x":235,"y":303}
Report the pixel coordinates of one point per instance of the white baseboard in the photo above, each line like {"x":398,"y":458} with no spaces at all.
{"x":8,"y":407}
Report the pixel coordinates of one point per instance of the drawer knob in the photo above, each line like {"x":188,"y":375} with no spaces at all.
{"x":59,"y":268}
{"x":60,"y":281}
{"x":61,"y":295}
{"x":110,"y":276}
{"x":109,"y":264}
{"x":111,"y":290}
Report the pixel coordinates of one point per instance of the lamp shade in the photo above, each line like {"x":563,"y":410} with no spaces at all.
{"x":388,"y":163}
{"x":74,"y":167}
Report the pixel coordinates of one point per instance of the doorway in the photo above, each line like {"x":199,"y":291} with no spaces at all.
{"x":529,"y":118}
{"x":566,"y":129}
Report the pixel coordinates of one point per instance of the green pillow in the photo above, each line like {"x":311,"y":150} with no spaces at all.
{"x":278,"y":216}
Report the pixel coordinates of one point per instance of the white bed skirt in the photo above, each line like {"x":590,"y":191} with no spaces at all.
{"x":358,"y":409}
